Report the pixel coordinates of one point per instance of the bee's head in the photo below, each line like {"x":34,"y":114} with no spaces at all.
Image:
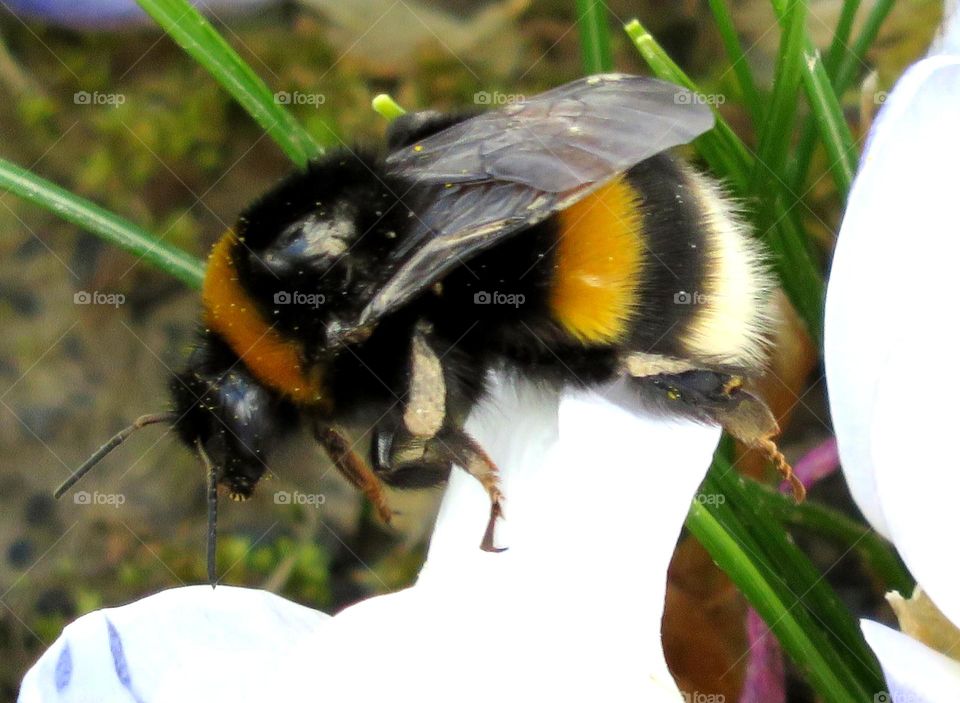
{"x":222,"y":409}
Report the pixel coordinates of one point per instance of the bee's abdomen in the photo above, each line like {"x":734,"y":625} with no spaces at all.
{"x":598,"y":263}
{"x":729,"y":318}
{"x":656,"y":261}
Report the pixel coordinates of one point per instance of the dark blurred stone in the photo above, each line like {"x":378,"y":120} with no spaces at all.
{"x":56,"y":601}
{"x":30,"y":247}
{"x":73,"y":347}
{"x":23,"y":302}
{"x":40,"y":510}
{"x":42,"y":423}
{"x":20,"y":554}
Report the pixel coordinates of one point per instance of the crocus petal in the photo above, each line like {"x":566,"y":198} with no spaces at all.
{"x":890,"y":313}
{"x":190,"y":643}
{"x":917,"y":477}
{"x":108,"y":14}
{"x":765,"y":680}
{"x":818,"y":463}
{"x":914,"y":672}
{"x":572,"y":609}
{"x":597,"y":493}
{"x":893,"y":276}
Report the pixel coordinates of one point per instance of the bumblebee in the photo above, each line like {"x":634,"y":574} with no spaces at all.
{"x":554,"y":237}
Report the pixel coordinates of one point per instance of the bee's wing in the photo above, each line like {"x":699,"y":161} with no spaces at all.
{"x":510,"y":168}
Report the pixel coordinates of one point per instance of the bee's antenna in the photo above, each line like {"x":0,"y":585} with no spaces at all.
{"x":211,"y":515}
{"x":114,"y":442}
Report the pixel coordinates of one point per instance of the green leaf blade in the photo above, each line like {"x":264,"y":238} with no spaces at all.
{"x":101,"y":222}
{"x":738,"y":58}
{"x":594,"y":28}
{"x":195,"y":35}
{"x":730,"y":159}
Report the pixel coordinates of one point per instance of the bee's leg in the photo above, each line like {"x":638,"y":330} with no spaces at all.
{"x":419,"y":448}
{"x":425,"y":408}
{"x":353,"y":468}
{"x":467,"y":453}
{"x":750,"y":420}
{"x":720,"y":397}
{"x":407,"y":460}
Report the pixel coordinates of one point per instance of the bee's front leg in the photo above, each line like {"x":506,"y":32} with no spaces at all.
{"x":352,"y":466}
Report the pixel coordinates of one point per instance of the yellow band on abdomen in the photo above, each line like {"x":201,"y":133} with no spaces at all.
{"x":598,"y":264}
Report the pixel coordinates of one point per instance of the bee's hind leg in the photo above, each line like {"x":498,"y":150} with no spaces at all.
{"x":748,"y":419}
{"x":714,"y":396}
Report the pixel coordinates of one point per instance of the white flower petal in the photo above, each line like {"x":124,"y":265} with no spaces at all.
{"x":572,"y":609}
{"x":597,"y":493}
{"x":914,"y":672}
{"x":917,"y":473}
{"x":192,"y":643}
{"x":894,"y":265}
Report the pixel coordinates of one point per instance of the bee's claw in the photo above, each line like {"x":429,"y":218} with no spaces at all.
{"x":496,"y":512}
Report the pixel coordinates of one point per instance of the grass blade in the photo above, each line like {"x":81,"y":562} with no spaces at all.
{"x":730,"y":159}
{"x":807,"y":587}
{"x":387,"y":107}
{"x":593,"y":25}
{"x":774,"y":142}
{"x":841,"y":37}
{"x":841,"y":71}
{"x":825,"y":106}
{"x":719,"y":538}
{"x":101,"y":222}
{"x":721,"y":147}
{"x":738,"y":58}
{"x":840,"y":666}
{"x":821,"y":520}
{"x":853,"y":61}
{"x":200,"y":40}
